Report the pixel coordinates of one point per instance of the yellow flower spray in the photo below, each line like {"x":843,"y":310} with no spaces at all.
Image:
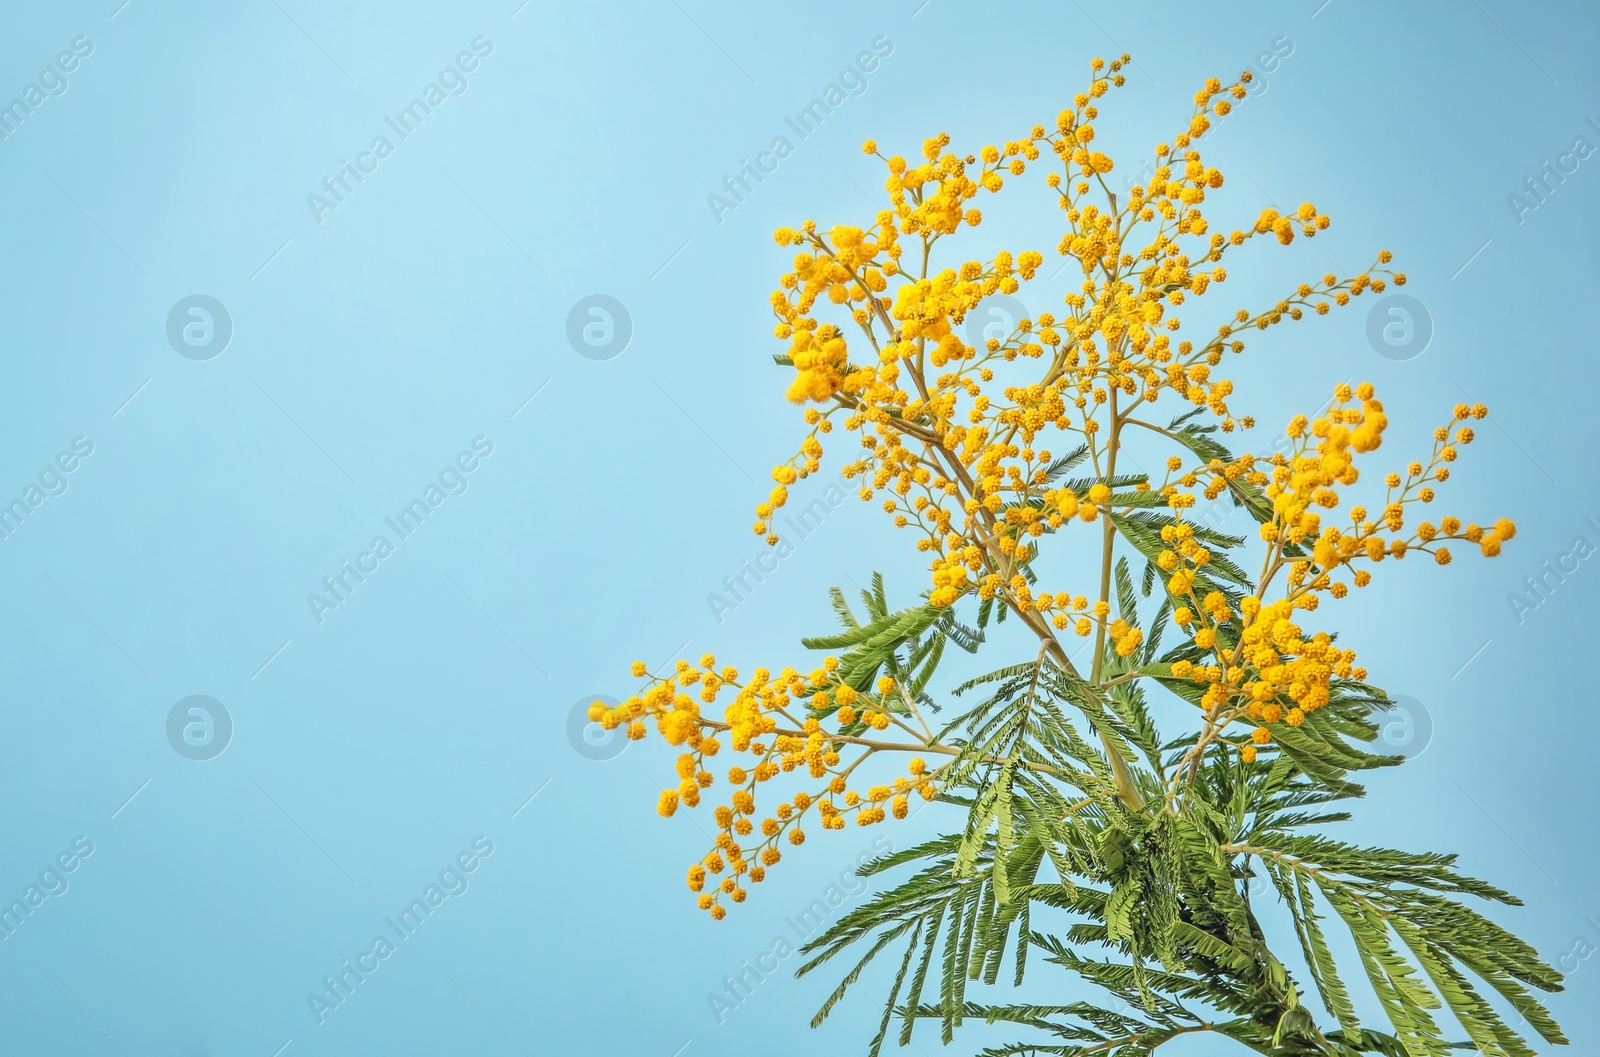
{"x":964,"y":462}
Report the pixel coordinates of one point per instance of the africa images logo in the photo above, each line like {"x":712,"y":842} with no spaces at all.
{"x":453,"y":480}
{"x":52,"y":81}
{"x":453,"y":882}
{"x":852,"y":80}
{"x":452,"y":80}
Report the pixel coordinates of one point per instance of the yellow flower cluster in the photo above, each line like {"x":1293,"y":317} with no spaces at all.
{"x":763,"y":720}
{"x":963,"y":466}
{"x":971,"y":445}
{"x":1268,"y":671}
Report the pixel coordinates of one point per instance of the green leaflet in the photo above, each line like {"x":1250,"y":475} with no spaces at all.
{"x":1151,"y":909}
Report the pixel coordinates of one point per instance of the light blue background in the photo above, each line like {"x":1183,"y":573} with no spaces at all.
{"x":428,"y":307}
